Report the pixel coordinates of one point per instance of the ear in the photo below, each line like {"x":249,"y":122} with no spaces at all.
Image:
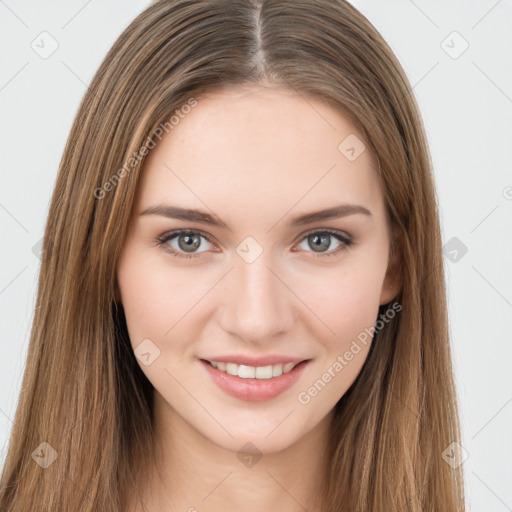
{"x":117,"y":293}
{"x":392,"y":283}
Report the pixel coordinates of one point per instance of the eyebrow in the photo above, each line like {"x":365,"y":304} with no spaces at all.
{"x":193,"y":215}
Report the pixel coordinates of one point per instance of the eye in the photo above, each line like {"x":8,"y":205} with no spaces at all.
{"x":185,"y":242}
{"x":322,"y":240}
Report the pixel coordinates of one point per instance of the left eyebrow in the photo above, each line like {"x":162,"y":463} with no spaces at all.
{"x":335,"y":212}
{"x":193,"y":215}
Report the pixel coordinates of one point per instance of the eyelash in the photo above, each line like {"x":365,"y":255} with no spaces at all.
{"x":162,"y":240}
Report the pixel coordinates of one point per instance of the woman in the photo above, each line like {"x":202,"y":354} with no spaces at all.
{"x":241,"y":301}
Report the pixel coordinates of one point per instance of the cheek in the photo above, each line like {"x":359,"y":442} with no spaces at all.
{"x":154,"y":295}
{"x":345,"y":300}
{"x":351,"y":319}
{"x":156,"y":300}
{"x":350,"y":309}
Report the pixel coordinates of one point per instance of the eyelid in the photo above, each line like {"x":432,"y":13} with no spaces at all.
{"x":331,"y":231}
{"x":169,"y":235}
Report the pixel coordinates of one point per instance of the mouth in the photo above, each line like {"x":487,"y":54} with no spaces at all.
{"x":254,"y":383}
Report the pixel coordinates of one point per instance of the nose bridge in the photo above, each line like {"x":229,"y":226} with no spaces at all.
{"x":257,"y":306}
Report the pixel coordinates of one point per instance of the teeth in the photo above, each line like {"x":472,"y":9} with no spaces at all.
{"x":287,"y":367}
{"x":251,"y":372}
{"x":263,"y":372}
{"x":277,"y":370}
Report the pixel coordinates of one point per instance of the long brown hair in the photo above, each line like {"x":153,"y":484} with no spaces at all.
{"x":85,"y":400}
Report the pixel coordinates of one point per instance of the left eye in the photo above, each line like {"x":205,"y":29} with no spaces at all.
{"x":188,"y":241}
{"x":322,"y":239}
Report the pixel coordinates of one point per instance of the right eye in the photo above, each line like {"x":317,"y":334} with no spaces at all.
{"x":185,"y":239}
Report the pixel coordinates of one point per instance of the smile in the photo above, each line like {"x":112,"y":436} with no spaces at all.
{"x":254,"y":383}
{"x":253,"y":372}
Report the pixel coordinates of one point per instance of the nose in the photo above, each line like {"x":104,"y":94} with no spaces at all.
{"x":257,"y":306}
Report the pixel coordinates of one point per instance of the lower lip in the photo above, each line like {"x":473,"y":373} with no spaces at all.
{"x":254,"y":389}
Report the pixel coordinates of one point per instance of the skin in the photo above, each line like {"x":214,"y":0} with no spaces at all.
{"x":255,"y":156}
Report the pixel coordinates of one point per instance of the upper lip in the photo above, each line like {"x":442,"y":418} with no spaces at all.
{"x":268,"y":360}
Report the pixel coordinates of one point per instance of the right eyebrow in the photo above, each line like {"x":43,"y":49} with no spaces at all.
{"x":189,"y":214}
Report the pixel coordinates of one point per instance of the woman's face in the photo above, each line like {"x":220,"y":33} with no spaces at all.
{"x":250,"y":285}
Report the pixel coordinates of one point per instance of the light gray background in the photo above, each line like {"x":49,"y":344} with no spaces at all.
{"x":466,"y":102}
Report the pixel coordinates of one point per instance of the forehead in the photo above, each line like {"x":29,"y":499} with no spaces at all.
{"x":259,"y":146}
